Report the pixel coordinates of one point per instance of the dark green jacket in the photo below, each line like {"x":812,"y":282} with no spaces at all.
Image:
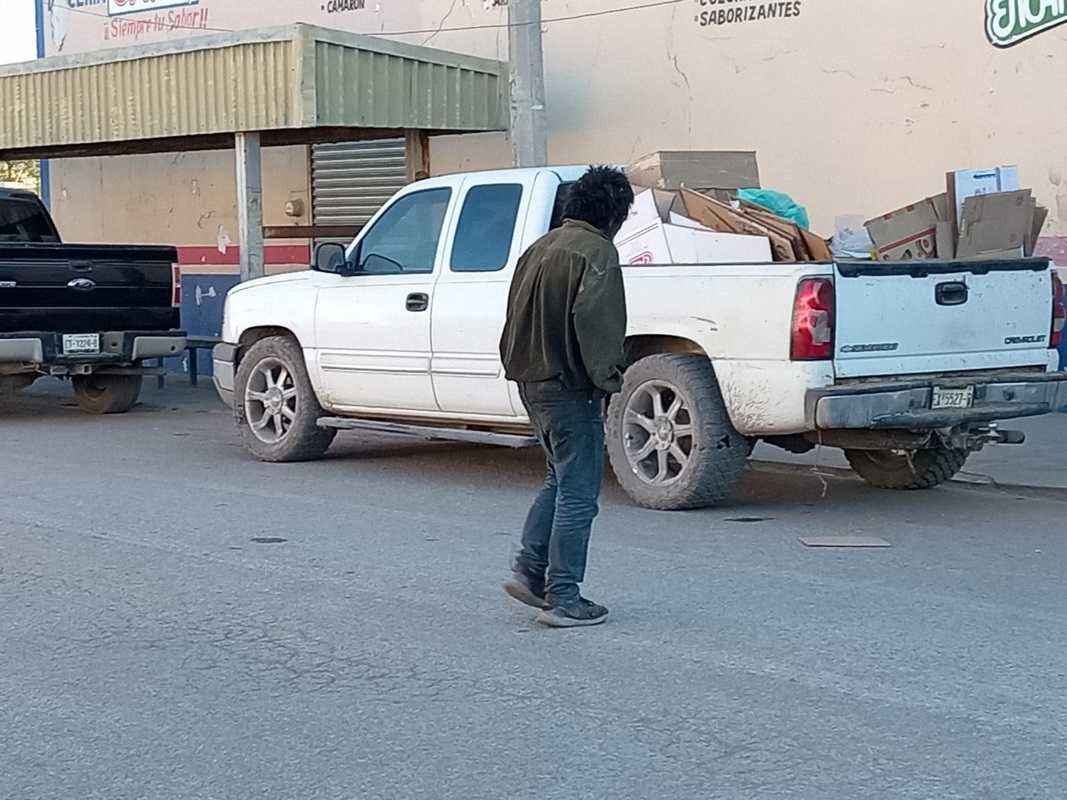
{"x":567,"y":312}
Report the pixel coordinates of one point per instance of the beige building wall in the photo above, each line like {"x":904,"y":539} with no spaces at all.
{"x":189,"y":199}
{"x":852,"y":107}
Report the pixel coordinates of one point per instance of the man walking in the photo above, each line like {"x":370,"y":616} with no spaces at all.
{"x":563,"y":344}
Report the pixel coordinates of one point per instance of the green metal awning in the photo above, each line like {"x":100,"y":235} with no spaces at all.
{"x":296,"y":84}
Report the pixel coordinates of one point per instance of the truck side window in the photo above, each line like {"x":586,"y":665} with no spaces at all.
{"x":486,"y":228}
{"x":25,"y":221}
{"x":405,"y":238}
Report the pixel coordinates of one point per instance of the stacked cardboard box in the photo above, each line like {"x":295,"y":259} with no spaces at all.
{"x":982,"y":214}
{"x":789,"y":242}
{"x":702,"y":170}
{"x":660,"y":232}
{"x":685,"y":212}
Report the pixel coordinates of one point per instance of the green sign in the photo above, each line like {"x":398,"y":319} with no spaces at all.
{"x":1008,"y":22}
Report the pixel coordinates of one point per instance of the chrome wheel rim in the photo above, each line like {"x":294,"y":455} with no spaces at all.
{"x":270,"y":401}
{"x":657,"y":433}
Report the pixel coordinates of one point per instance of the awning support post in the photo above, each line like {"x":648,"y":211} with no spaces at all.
{"x":250,"y":204}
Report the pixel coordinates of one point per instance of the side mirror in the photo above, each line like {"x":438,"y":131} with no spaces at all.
{"x":329,"y":257}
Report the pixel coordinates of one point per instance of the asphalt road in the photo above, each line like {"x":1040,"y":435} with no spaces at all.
{"x":180,"y":621}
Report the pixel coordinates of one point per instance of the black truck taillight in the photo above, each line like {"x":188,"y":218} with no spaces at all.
{"x":176,"y":286}
{"x":813,"y":320}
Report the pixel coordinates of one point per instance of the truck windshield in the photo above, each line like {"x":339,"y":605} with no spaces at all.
{"x":25,"y":220}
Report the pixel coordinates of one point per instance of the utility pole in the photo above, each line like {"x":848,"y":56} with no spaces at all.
{"x":529,"y":133}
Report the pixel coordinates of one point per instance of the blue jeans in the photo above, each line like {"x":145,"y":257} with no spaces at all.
{"x":555,"y":539}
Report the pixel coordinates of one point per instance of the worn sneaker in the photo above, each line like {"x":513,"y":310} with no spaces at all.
{"x":527,"y":590}
{"x":576,"y":614}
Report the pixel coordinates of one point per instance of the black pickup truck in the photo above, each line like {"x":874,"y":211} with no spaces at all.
{"x":91,"y":313}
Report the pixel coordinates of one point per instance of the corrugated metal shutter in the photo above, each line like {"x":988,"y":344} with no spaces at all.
{"x":351,"y":181}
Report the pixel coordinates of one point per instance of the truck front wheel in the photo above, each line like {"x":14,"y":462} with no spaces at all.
{"x":670,"y":440}
{"x":275,"y":406}
{"x":106,"y":394}
{"x":907,"y":469}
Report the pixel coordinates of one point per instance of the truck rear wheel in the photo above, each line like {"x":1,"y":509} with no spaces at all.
{"x":670,"y":440}
{"x":106,"y":394}
{"x":907,"y":469}
{"x":275,"y":405}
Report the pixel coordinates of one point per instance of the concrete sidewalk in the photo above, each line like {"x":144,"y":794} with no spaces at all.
{"x":1039,"y":463}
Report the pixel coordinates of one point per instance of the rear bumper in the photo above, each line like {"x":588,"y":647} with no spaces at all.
{"x":906,"y":405}
{"x":117,"y":348}
{"x":224,"y":365}
{"x":23,"y":348}
{"x":149,"y":346}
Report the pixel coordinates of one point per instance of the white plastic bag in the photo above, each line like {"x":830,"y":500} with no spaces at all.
{"x":851,"y":239}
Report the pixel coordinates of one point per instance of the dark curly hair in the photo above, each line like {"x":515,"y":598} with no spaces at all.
{"x":601,"y":197}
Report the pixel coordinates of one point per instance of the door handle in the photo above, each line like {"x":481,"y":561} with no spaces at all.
{"x":418,"y":301}
{"x":951,"y":293}
{"x":81,"y":265}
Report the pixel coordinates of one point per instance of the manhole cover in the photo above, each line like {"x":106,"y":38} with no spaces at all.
{"x":269,"y":540}
{"x":748,"y":520}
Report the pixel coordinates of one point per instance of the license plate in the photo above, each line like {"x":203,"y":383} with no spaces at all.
{"x":952,"y":398}
{"x":75,"y":343}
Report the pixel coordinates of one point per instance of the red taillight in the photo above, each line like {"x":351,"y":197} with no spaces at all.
{"x":176,"y":284}
{"x":1059,"y":312}
{"x":813,"y":320}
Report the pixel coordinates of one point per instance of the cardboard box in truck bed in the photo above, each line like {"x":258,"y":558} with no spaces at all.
{"x":672,"y":170}
{"x":906,"y":234}
{"x":973,"y":182}
{"x":675,"y":244}
{"x":656,"y":234}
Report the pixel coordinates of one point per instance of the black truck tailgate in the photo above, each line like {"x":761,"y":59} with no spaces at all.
{"x":87,"y":288}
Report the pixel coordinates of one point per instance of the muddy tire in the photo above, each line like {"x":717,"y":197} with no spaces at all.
{"x":907,"y":469}
{"x":670,"y":440}
{"x":106,"y":394}
{"x":275,"y":406}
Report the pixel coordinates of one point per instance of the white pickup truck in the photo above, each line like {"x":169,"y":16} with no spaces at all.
{"x":907,"y":367}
